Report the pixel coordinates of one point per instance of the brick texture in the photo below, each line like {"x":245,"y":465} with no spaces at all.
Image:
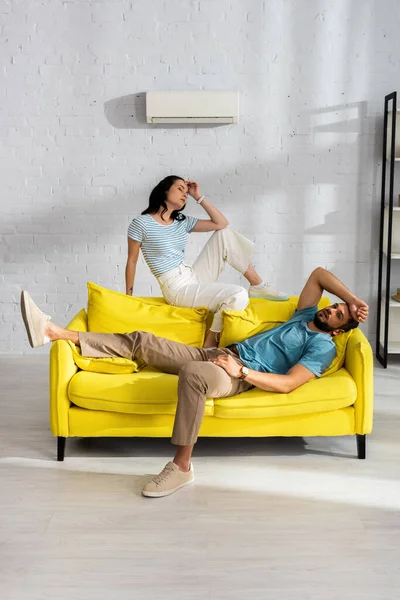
{"x":299,"y":174}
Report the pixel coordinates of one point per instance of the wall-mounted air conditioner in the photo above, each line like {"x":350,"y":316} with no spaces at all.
{"x":192,"y":107}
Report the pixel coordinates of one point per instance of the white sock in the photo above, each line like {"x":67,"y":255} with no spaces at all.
{"x":259,"y":286}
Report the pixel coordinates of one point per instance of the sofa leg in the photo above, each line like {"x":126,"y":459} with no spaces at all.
{"x":361,"y":445}
{"x":61,"y":448}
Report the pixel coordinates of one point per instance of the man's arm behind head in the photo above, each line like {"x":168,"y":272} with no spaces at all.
{"x":320,"y":280}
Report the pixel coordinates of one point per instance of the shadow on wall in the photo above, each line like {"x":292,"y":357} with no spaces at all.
{"x":268,"y":179}
{"x":344,"y":122}
{"x":65,"y":236}
{"x":127,"y":112}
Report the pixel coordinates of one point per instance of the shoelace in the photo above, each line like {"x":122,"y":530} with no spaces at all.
{"x":165,"y":473}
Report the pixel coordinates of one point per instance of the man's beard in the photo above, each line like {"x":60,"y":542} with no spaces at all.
{"x":323,"y":325}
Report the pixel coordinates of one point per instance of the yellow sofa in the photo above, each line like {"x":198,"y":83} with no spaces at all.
{"x":142,"y":404}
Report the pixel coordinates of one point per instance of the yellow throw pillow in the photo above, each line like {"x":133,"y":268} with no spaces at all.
{"x":109,"y":364}
{"x":113,"y":312}
{"x":340,"y":342}
{"x":260,"y":315}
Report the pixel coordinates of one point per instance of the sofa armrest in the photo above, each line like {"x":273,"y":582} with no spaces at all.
{"x":62,"y":369}
{"x":79,"y":322}
{"x":359,"y":363}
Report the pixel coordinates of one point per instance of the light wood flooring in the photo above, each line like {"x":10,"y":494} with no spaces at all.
{"x":290,"y":519}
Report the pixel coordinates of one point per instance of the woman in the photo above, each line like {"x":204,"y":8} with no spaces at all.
{"x":161,"y":231}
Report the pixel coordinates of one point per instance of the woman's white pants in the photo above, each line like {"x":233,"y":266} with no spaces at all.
{"x":196,"y":285}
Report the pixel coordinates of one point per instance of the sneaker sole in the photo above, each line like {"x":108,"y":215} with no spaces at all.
{"x":166,"y":492}
{"x":273,"y":298}
{"x":26,"y":317}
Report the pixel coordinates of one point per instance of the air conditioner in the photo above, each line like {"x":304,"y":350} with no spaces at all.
{"x":192,"y":107}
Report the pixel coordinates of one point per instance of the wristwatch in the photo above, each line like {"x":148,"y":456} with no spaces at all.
{"x":243,"y":372}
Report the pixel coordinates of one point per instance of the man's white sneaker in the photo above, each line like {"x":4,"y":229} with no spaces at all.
{"x":168,"y":481}
{"x":34,"y":320}
{"x":268,"y":293}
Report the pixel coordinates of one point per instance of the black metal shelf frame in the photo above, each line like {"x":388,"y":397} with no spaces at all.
{"x":385,"y":254}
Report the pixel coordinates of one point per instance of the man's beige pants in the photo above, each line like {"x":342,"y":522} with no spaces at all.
{"x":199,"y":379}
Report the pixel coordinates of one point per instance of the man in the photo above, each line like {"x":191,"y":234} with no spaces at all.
{"x":278,"y":360}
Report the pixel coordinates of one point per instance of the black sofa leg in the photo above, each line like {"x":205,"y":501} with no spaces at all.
{"x":361,"y":445}
{"x":61,"y":448}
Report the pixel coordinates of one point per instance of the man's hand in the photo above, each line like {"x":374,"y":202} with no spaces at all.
{"x":193,"y":189}
{"x":358,"y":310}
{"x":229,"y":364}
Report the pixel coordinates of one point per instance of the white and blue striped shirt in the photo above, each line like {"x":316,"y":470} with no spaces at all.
{"x":163,"y":246}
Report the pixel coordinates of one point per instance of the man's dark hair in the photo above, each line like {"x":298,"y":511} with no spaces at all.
{"x":351,"y":324}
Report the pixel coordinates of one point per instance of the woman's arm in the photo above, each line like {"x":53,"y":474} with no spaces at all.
{"x":216,"y":220}
{"x":130,"y":269}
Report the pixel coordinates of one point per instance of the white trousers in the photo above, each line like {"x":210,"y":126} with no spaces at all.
{"x":194,"y":286}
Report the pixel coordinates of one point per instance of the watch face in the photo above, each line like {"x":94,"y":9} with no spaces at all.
{"x":245,"y":371}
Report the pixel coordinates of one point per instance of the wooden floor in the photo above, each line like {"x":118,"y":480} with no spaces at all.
{"x":295,"y":519}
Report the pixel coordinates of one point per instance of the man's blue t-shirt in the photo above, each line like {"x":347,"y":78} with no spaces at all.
{"x":279,"y":349}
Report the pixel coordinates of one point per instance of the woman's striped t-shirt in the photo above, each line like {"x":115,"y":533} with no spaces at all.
{"x":163,"y":246}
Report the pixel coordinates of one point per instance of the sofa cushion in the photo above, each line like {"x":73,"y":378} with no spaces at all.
{"x":113,"y":312}
{"x":148,"y":392}
{"x":153,"y":392}
{"x":114,"y":365}
{"x":318,"y":395}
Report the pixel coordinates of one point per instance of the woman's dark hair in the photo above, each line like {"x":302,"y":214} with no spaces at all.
{"x":158,"y":196}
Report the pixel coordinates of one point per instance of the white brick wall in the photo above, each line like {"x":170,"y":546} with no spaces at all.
{"x":299,"y":175}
